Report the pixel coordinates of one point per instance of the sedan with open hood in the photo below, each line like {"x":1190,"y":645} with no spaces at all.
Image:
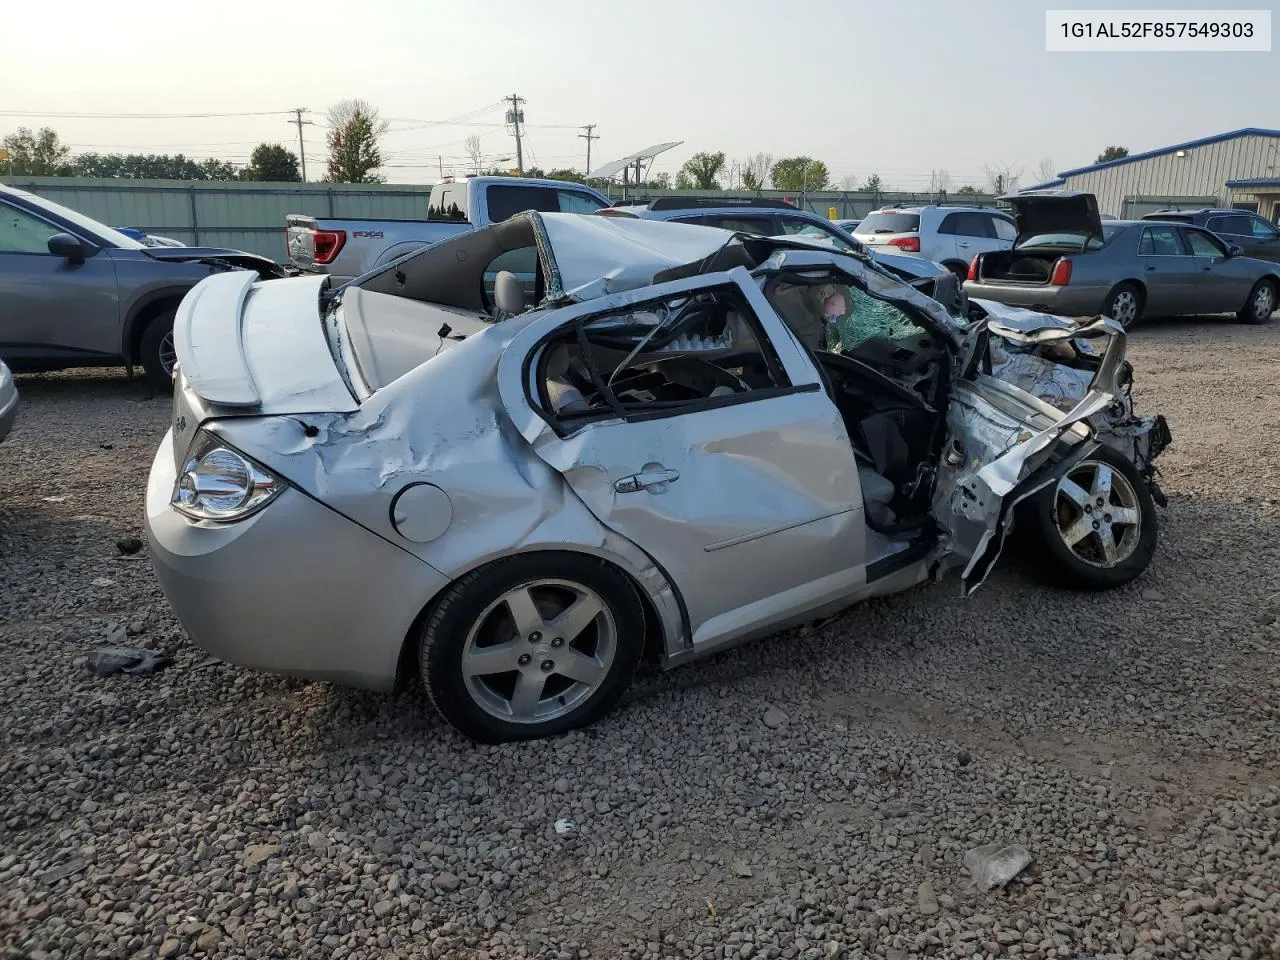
{"x":515,"y":463}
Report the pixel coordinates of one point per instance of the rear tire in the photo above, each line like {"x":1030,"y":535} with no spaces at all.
{"x":156,"y":351}
{"x":1124,"y":305}
{"x":961,"y":270}
{"x":1260,"y":305}
{"x":1077,"y":543}
{"x":501,"y":663}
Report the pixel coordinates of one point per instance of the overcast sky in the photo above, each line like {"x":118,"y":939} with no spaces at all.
{"x":888,"y":87}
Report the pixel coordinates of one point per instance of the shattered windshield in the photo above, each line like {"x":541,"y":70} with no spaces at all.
{"x":838,"y":317}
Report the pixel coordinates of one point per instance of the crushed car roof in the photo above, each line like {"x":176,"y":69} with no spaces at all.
{"x":623,"y":253}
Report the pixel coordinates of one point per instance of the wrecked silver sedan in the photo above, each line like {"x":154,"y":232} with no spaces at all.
{"x":519,"y":461}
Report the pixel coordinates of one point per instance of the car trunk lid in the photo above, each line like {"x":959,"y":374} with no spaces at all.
{"x":1066,"y":212}
{"x":248,"y":347}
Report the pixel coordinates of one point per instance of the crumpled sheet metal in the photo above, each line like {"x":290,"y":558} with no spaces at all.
{"x":1024,"y":358}
{"x":960,"y":491}
{"x":1055,"y":383}
{"x":444,"y":423}
{"x":1033,"y":326}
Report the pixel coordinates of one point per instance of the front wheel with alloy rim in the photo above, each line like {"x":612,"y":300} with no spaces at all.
{"x":1096,"y":527}
{"x":157,"y":352}
{"x":531,"y":646}
{"x":1261,"y":303}
{"x":1124,"y":305}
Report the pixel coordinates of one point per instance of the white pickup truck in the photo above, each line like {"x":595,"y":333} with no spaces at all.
{"x":348,"y":248}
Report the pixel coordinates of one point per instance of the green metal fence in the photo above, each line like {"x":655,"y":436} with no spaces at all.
{"x":250,"y":216}
{"x":243,"y":216}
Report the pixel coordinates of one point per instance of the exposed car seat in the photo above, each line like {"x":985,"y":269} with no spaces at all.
{"x":796,"y":305}
{"x":877,"y":495}
{"x":508,"y":295}
{"x":564,"y":396}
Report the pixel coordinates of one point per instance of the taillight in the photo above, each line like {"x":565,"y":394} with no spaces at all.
{"x":1061,"y":275}
{"x":973,"y":269}
{"x":909,"y":244}
{"x":327,"y":244}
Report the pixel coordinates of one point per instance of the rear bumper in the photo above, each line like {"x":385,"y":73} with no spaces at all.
{"x":8,"y":401}
{"x":295,"y":589}
{"x":1070,"y":301}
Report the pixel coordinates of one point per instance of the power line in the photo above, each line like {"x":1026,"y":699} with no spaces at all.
{"x":139,"y":116}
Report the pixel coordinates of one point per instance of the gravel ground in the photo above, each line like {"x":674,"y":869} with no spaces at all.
{"x":808,"y":796}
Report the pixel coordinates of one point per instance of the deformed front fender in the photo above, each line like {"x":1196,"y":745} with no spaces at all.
{"x":1004,"y":443}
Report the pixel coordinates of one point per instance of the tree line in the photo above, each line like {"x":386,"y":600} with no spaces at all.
{"x":42,"y":154}
{"x":354,"y":156}
{"x":355,"y":129}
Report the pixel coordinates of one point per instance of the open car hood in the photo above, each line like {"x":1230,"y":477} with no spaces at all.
{"x":1055,"y":211}
{"x":266,"y":268}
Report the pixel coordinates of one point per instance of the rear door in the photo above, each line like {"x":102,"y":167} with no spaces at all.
{"x":946,"y":245}
{"x":695,"y":425}
{"x":51,"y":308}
{"x":978,"y":234}
{"x":1169,"y":272}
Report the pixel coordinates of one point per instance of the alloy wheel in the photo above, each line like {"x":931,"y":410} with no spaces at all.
{"x":1264,"y":302}
{"x":539,"y":651}
{"x":1097,"y":514}
{"x":1124,"y":308}
{"x":168,"y":353}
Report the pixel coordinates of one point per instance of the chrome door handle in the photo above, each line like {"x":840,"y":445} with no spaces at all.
{"x":643,"y":481}
{"x":959,"y":244}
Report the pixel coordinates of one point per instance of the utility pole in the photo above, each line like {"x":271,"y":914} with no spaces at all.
{"x":440,"y":164}
{"x":589,"y":136}
{"x":515,"y":117}
{"x":302,"y":150}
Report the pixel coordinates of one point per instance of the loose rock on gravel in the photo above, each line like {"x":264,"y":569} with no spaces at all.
{"x":1129,"y":740}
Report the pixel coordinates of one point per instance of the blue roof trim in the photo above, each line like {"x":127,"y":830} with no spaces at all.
{"x":1202,"y":142}
{"x":1048,"y":184}
{"x":1255,"y":182}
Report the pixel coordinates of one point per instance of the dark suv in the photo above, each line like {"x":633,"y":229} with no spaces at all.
{"x":75,"y":292}
{"x":1244,"y":228}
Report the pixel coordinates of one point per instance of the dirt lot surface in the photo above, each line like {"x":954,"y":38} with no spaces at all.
{"x":812,"y":795}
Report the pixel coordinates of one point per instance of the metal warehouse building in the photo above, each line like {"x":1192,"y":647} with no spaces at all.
{"x":1237,"y":169}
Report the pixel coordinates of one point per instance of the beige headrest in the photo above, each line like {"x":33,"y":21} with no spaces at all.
{"x":508,"y":295}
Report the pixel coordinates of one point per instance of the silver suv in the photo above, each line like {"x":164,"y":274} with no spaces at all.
{"x":947,"y":234}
